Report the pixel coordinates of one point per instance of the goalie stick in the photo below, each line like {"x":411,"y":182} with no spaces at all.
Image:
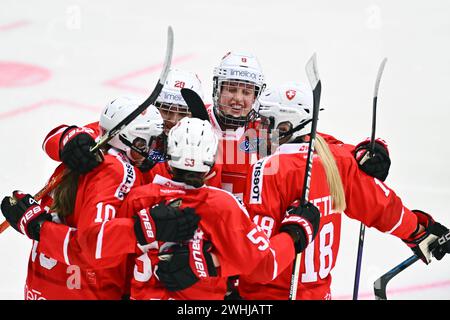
{"x":122,"y":124}
{"x":313,"y":77}
{"x":366,"y":157}
{"x":379,"y":286}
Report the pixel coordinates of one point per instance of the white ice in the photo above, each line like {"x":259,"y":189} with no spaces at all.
{"x":85,"y":44}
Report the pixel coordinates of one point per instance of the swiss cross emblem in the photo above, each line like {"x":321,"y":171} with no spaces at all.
{"x":290,"y":94}
{"x":244,"y":59}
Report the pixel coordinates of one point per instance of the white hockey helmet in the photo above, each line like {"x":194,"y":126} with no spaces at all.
{"x":290,"y":102}
{"x":192,"y":145}
{"x":147,"y":126}
{"x":170,"y":102}
{"x":177,"y":80}
{"x":241,"y":68}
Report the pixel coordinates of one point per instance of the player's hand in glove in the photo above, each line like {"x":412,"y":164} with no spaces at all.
{"x":375,"y":164}
{"x":183,"y":265}
{"x":301,"y":223}
{"x":24,"y":214}
{"x":434,"y":240}
{"x":165,"y":223}
{"x":146,"y":165}
{"x":74,"y":148}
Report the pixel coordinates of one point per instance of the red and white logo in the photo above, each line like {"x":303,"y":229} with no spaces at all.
{"x":199,"y":260}
{"x":244,"y":60}
{"x":290,"y":94}
{"x":145,"y":221}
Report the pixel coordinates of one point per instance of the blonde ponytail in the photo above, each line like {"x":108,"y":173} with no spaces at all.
{"x":333,"y":177}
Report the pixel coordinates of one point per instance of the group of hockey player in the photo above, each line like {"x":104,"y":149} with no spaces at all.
{"x":176,"y":207}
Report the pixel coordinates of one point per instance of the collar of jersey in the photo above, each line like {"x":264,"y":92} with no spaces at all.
{"x":170,"y":183}
{"x":118,"y":154}
{"x":289,"y":148}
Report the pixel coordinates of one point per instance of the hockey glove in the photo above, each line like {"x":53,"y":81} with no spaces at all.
{"x":24,"y":214}
{"x":375,"y":164}
{"x":146,"y":165}
{"x":184,"y":265}
{"x":301,"y":223}
{"x":165,"y":223}
{"x":233,"y":289}
{"x":434,"y":240}
{"x":75,"y":152}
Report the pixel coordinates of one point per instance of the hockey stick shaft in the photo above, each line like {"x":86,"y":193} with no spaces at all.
{"x":313,"y":76}
{"x":362,"y":229}
{"x":122,"y":124}
{"x":372,"y":148}
{"x":374,"y":104}
{"x":38,"y":196}
{"x":380,"y":285}
{"x":150,"y":100}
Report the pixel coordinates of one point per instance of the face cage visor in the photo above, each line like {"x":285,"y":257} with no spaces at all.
{"x":235,"y":100}
{"x":172,"y":113}
{"x":139,"y":146}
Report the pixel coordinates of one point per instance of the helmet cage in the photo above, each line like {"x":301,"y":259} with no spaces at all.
{"x":143,"y":151}
{"x":240,"y":69}
{"x":172,"y":113}
{"x":222,"y":110}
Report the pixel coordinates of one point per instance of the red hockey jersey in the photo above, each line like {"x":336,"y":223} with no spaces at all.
{"x":52,"y":140}
{"x":238,"y":150}
{"x":213,"y":178}
{"x":59,"y":266}
{"x":240,"y":245}
{"x":276,"y":182}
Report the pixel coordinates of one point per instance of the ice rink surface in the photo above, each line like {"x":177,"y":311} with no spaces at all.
{"x":62,"y":61}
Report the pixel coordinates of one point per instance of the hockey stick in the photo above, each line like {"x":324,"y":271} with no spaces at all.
{"x":122,"y":124}
{"x":38,"y":196}
{"x":313,"y":77}
{"x":366,"y":157}
{"x":379,"y":286}
{"x":195,"y":104}
{"x":150,"y":100}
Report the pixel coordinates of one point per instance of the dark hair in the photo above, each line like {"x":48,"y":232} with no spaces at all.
{"x":195,"y":179}
{"x":65,"y":194}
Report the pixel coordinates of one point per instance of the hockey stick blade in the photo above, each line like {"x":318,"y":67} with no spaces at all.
{"x":375,"y":100}
{"x":195,"y":104}
{"x":379,"y":286}
{"x":150,"y":100}
{"x":314,"y":79}
{"x":122,"y":124}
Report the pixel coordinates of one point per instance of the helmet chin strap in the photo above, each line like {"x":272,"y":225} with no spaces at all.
{"x":297,"y":128}
{"x":229,"y":121}
{"x":133,"y":147}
